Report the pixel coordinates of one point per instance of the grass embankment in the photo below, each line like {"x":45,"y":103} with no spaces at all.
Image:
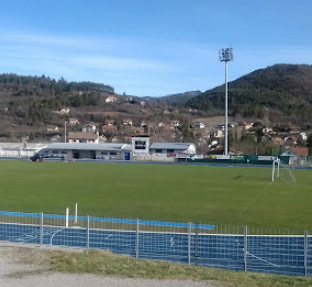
{"x":107,"y":264}
{"x":211,"y":195}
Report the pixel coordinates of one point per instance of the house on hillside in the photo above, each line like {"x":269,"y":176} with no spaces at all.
{"x":247,"y":126}
{"x":199,"y":125}
{"x":89,"y":128}
{"x":62,"y":111}
{"x":277,"y":141}
{"x":290,"y":140}
{"x":267,"y":130}
{"x":73,"y":121}
{"x":297,"y":155}
{"x":108,"y":128}
{"x":102,"y":139}
{"x":127,"y":122}
{"x":175,"y":123}
{"x":51,"y":129}
{"x":82,"y":137}
{"x":217,"y":134}
{"x":111,"y":99}
{"x":303,"y":136}
{"x":56,"y":138}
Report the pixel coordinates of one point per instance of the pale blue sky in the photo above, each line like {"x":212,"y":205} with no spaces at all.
{"x":152,"y":47}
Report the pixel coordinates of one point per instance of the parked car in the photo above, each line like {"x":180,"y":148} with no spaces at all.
{"x":37,"y":156}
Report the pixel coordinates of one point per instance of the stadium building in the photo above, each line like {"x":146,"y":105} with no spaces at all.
{"x":173,"y":149}
{"x":139,"y":149}
{"x":118,"y":151}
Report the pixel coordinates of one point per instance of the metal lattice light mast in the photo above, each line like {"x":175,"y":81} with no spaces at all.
{"x":65,"y":132}
{"x":226,"y":55}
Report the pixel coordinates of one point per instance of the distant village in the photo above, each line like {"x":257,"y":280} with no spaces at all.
{"x":207,"y":137}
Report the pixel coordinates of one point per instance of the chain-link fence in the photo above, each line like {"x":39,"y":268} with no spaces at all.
{"x":234,"y":248}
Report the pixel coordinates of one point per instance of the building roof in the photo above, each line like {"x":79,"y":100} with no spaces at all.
{"x":82,"y":135}
{"x":278,"y":140}
{"x":182,"y":146}
{"x":300,"y":151}
{"x":89,"y":146}
{"x":109,"y":127}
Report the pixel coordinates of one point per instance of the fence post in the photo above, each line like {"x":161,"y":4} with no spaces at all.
{"x":66,"y":217}
{"x":196,"y":244}
{"x":305,"y":253}
{"x":245,"y":248}
{"x":41,"y":228}
{"x":189,"y":243}
{"x":137,"y":239}
{"x":88,"y":231}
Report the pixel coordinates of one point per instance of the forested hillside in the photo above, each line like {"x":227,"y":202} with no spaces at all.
{"x":285,"y":90}
{"x":179,"y":99}
{"x":27,"y":102}
{"x":38,"y":107}
{"x":29,"y":105}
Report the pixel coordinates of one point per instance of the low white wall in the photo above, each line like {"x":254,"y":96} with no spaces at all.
{"x":17,"y":152}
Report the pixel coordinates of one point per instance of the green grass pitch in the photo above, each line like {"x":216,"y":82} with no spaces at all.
{"x":205,"y":194}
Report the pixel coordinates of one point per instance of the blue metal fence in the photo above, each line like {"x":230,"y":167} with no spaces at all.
{"x":189,"y":243}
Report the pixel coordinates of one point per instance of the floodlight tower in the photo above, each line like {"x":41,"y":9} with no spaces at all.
{"x":226,"y":55}
{"x":65,"y":132}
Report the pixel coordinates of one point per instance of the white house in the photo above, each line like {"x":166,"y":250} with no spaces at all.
{"x":82,"y":137}
{"x":218,"y":134}
{"x":73,"y":121}
{"x":199,"y":125}
{"x":304,"y":136}
{"x":111,"y":99}
{"x":89,"y":128}
{"x":62,"y":111}
{"x":51,"y":129}
{"x":127,"y":122}
{"x":297,"y":155}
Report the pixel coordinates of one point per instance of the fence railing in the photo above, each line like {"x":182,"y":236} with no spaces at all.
{"x":234,"y":248}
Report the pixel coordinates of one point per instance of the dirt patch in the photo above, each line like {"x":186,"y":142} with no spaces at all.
{"x":24,"y":266}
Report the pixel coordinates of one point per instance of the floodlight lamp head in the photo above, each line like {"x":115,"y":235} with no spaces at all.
{"x":226,"y":55}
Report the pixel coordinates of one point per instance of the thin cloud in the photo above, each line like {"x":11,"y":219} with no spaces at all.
{"x":141,"y":67}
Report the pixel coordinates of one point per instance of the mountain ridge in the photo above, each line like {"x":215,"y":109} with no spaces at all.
{"x":285,"y":89}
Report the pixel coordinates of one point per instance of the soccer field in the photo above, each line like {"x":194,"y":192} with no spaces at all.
{"x":204,"y":194}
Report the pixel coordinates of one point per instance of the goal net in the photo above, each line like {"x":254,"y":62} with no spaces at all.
{"x":280,"y":170}
{"x":289,"y":172}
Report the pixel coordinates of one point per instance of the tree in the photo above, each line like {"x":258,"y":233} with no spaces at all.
{"x":309,"y":141}
{"x":301,"y":141}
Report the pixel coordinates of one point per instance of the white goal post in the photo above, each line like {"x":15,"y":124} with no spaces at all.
{"x":275,"y":168}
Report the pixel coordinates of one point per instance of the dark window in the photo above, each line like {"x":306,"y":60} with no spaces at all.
{"x":158,"y":150}
{"x":170,"y":150}
{"x":113,"y":153}
{"x":139,"y":144}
